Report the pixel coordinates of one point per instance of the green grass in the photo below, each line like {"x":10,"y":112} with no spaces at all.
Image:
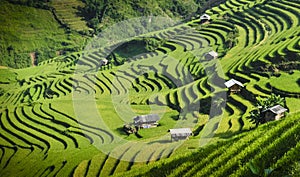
{"x":38,"y":31}
{"x":287,"y":82}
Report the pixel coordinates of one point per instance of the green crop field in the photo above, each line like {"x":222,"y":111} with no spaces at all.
{"x":65,"y":116}
{"x":68,"y":13}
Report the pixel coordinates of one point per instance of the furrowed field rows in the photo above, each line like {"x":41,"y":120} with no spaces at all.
{"x":218,"y":36}
{"x":229,"y":121}
{"x":177,"y":35}
{"x":99,"y":84}
{"x":50,"y":124}
{"x":121,"y":80}
{"x":238,"y":105}
{"x":269,"y":21}
{"x":63,"y":62}
{"x":251,"y":29}
{"x":277,"y":148}
{"x":133,"y":155}
{"x":10,"y":136}
{"x":146,"y":84}
{"x":287,"y":12}
{"x":245,"y":146}
{"x":185,"y":97}
{"x":38,"y":116}
{"x":249,"y":141}
{"x":281,"y":49}
{"x":41,"y":130}
{"x":236,"y":5}
{"x":288,"y":158}
{"x":40,"y":88}
{"x":186,"y":166}
{"x":11,"y":163}
{"x":284,"y":23}
{"x":257,"y":43}
{"x":68,"y":11}
{"x":94,"y":134}
{"x":223,"y":27}
{"x":198,"y":169}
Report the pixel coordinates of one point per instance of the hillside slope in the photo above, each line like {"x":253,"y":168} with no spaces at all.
{"x":65,"y":116}
{"x":34,"y":31}
{"x":29,"y":33}
{"x":274,"y":147}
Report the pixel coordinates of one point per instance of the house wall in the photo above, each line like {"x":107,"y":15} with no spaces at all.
{"x":235,"y":88}
{"x":147,"y":125}
{"x":180,"y":136}
{"x":269,"y":116}
{"x":209,"y":57}
{"x":279,"y":116}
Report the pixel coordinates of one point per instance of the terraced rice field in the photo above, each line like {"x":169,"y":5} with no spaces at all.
{"x":65,"y":116}
{"x":68,"y":12}
{"x":233,"y":157}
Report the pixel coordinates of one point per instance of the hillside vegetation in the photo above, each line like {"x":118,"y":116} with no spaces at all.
{"x":33,"y":31}
{"x":64,"y":117}
{"x":29,"y":33}
{"x":68,"y":14}
{"x":102,"y":13}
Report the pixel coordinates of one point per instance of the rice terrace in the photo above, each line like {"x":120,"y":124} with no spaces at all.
{"x":150,"y":88}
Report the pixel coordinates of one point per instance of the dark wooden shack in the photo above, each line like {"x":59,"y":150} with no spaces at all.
{"x":204,"y":18}
{"x":146,"y":121}
{"x":274,"y":113}
{"x":234,"y":86}
{"x":211,"y":55}
{"x":180,"y":133}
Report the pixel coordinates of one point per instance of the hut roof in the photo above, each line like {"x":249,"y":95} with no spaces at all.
{"x":146,"y":118}
{"x":104,"y":61}
{"x":213,"y":53}
{"x":181,"y":131}
{"x":277,"y":109}
{"x":232,"y":82}
{"x":204,"y":17}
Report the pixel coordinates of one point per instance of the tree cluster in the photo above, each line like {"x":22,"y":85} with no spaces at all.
{"x":15,"y":59}
{"x":93,"y":12}
{"x":262,"y":104}
{"x":101,"y":13}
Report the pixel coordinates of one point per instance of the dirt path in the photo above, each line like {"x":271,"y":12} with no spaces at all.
{"x":33,"y":58}
{"x":3,"y":67}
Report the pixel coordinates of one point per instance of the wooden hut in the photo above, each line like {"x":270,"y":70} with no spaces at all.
{"x":146,"y":121}
{"x":274,"y":113}
{"x":211,"y":55}
{"x":103,"y":62}
{"x":204,"y":18}
{"x":180,"y":133}
{"x":234,"y":86}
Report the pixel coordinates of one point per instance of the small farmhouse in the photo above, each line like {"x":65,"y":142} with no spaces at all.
{"x":103,"y":62}
{"x":146,"y":121}
{"x":274,"y":113}
{"x":204,"y":18}
{"x":180,"y":133}
{"x":234,"y":85}
{"x":211,"y":55}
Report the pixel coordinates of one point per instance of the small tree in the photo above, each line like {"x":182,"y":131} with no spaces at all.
{"x":260,"y":169}
{"x":256,"y":116}
{"x":265,"y":103}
